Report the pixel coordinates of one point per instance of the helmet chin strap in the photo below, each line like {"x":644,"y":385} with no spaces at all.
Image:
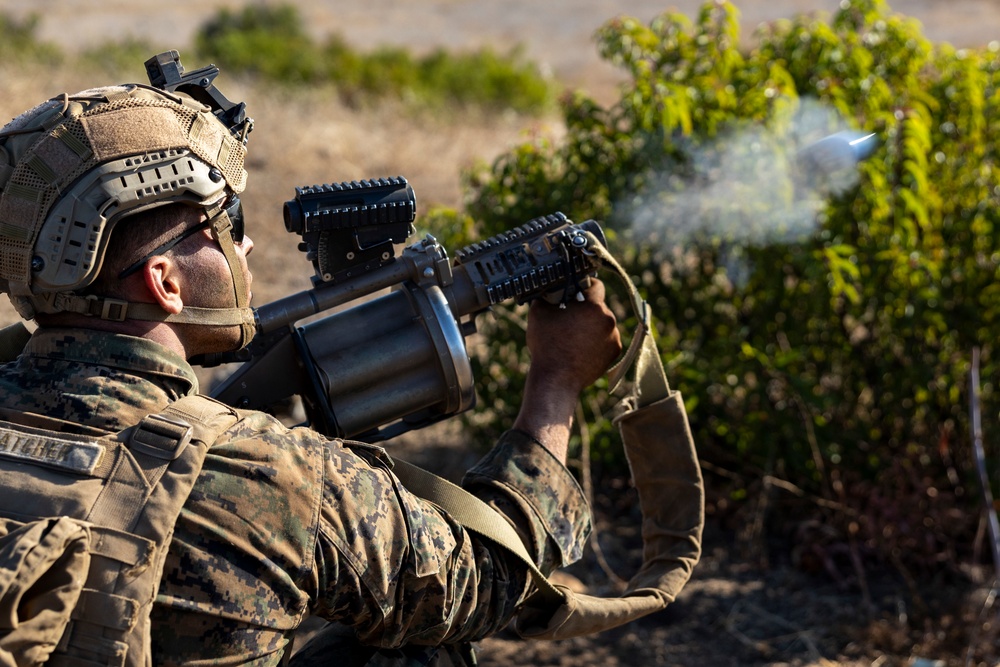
{"x":241,"y":315}
{"x":222,"y":233}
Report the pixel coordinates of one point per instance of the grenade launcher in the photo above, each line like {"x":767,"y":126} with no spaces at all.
{"x":388,"y":354}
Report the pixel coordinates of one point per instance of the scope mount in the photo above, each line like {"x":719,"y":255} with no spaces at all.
{"x":351,"y":227}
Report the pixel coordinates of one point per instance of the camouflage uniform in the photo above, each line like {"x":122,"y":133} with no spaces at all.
{"x":283,"y":524}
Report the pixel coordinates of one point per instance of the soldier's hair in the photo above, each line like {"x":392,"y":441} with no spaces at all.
{"x":131,"y":239}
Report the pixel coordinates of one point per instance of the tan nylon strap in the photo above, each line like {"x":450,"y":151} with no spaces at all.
{"x":106,"y":610}
{"x":72,"y":142}
{"x":122,"y":499}
{"x":121,"y":502}
{"x":28,"y":193}
{"x":123,"y":547}
{"x":44,"y":171}
{"x":200,"y":412}
{"x":193,"y":315}
{"x":475,"y":515}
{"x":98,"y":620}
{"x":651,"y":379}
{"x":221,"y":227}
{"x":107,"y":308}
{"x":13,"y":232}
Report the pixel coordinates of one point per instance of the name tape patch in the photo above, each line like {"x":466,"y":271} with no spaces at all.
{"x":76,"y":455}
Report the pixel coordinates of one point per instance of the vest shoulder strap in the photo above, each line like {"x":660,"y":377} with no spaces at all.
{"x":120,"y":544}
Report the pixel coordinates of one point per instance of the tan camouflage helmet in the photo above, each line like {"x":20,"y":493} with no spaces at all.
{"x":73,"y":167}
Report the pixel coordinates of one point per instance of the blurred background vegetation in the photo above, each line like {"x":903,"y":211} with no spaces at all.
{"x":270,"y":42}
{"x":821,"y":336}
{"x":821,"y":333}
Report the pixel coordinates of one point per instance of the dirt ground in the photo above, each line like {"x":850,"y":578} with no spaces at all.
{"x":750,"y":602}
{"x":757,"y":601}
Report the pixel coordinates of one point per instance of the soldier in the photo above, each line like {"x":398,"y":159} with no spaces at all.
{"x":122,"y":237}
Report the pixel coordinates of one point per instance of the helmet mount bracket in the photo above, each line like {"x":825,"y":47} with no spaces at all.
{"x":166,"y":72}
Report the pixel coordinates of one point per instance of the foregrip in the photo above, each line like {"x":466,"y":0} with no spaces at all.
{"x":546,"y":257}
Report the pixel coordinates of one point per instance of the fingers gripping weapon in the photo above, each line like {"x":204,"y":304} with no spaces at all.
{"x":394,"y":361}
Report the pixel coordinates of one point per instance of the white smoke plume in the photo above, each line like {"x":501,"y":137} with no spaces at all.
{"x":750,"y":187}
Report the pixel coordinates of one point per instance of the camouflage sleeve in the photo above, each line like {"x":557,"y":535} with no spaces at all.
{"x":522,"y":480}
{"x":400,"y":571}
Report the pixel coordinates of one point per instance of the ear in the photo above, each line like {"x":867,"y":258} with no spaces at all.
{"x":163,"y":281}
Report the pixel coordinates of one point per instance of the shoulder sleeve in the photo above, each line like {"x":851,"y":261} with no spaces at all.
{"x":399,"y":570}
{"x":522,"y":480}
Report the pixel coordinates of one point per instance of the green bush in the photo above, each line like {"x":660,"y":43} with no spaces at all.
{"x":822,"y":336}
{"x":385,"y":71}
{"x":270,"y":41}
{"x":485,"y":77}
{"x":265,"y":40}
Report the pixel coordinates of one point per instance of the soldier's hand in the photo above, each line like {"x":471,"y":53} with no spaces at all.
{"x":575,"y":345}
{"x":570,"y":348}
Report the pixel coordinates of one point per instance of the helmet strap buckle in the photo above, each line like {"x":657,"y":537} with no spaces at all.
{"x":114,"y":310}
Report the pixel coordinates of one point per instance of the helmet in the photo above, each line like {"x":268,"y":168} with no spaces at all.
{"x":75,"y":166}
